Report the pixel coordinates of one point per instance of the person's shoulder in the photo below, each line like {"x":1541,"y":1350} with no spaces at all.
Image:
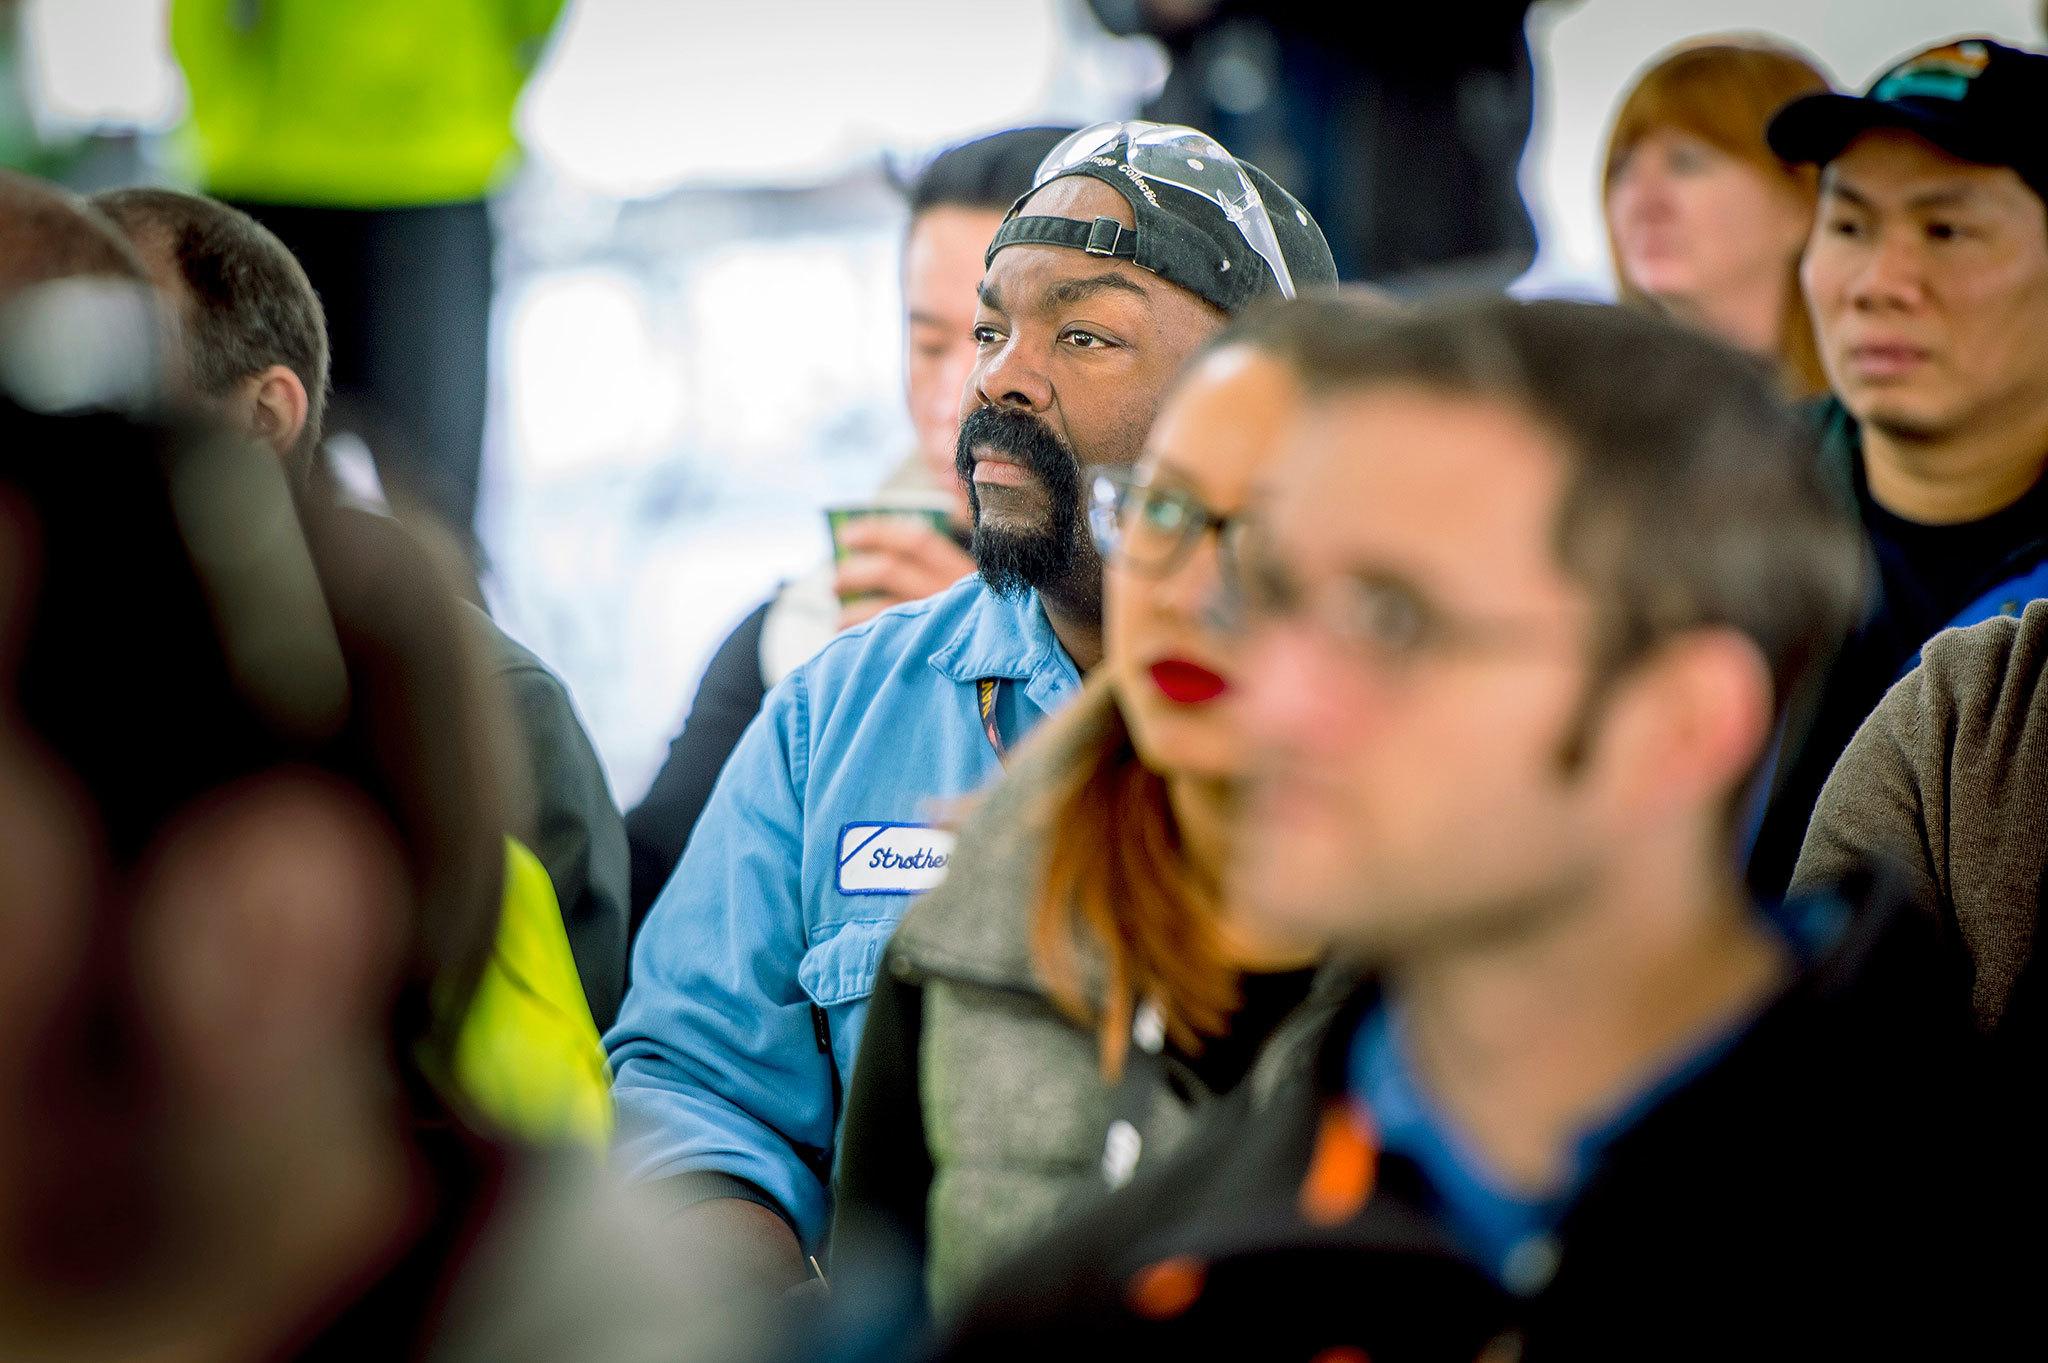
{"x":1996,"y":660}
{"x":513,"y":662}
{"x":898,"y":633}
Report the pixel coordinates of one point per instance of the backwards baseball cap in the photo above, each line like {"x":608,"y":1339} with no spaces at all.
{"x":1974,"y":98}
{"x":1218,"y":227}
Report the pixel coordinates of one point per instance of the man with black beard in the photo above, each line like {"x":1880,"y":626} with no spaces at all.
{"x":751,"y":977}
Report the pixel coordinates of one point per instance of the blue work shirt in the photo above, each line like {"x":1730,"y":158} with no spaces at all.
{"x":752,"y":973}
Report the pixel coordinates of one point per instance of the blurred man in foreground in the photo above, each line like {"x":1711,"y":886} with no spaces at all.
{"x":48,"y":234}
{"x":254,"y":818}
{"x":254,"y":349}
{"x":1535,"y":581}
{"x":78,"y":324}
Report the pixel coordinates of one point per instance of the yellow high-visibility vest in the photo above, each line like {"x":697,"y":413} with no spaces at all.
{"x":528,"y":1055}
{"x":355,"y":104}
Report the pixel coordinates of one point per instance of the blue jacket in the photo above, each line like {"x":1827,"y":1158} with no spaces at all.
{"x":751,"y":976}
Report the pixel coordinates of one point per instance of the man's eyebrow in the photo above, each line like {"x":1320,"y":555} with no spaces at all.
{"x":1383,"y":577}
{"x":1941,"y":196}
{"x":1068,"y":292}
{"x":1947,"y":196}
{"x":990,"y":298}
{"x":1835,"y":187}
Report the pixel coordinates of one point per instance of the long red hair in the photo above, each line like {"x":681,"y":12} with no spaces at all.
{"x":1116,"y":877}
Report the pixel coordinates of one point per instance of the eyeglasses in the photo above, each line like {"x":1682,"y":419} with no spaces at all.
{"x":1153,"y":527}
{"x":1185,"y":158}
{"x":1388,"y":623}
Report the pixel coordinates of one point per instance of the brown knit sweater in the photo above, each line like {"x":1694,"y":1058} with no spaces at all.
{"x":1948,"y":782}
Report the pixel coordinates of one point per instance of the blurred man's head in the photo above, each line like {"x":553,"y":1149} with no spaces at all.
{"x":254,"y":335}
{"x":1533,"y":587}
{"x":1099,"y":287}
{"x":1927,"y":274}
{"x":257,"y":778}
{"x":47,"y":234}
{"x":956,"y":204}
{"x":78,"y":327}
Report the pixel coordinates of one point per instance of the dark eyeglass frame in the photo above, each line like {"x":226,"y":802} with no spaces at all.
{"x":1118,"y":492}
{"x":1390,"y":624}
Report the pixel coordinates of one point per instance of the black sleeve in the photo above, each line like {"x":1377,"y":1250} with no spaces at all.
{"x":727,"y":700}
{"x":577,"y":836}
{"x":884,"y":1178}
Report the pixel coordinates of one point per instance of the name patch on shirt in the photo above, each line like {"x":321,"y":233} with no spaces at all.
{"x":892,"y":858}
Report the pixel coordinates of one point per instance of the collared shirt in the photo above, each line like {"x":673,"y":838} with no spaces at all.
{"x":751,"y":976}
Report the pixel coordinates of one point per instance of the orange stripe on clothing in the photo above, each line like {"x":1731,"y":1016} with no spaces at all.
{"x":1340,"y":1172}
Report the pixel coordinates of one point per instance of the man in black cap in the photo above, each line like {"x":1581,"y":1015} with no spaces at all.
{"x":1927,"y":278}
{"x":751,"y":976}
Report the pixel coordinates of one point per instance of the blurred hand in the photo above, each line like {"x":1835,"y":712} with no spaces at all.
{"x":890,"y":560}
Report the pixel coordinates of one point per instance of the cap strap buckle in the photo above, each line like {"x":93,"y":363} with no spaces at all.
{"x":1104,"y":236}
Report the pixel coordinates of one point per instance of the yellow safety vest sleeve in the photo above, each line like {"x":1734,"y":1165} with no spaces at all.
{"x":528,"y":1055}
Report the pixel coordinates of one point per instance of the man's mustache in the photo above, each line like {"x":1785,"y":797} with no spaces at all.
{"x":1022,"y":439}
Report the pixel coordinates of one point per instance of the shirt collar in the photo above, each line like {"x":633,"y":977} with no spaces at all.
{"x":1003,"y":636}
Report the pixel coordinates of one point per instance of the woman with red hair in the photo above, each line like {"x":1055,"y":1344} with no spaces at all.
{"x":1704,"y":220}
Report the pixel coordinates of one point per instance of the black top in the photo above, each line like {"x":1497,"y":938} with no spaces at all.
{"x":1926,"y":575}
{"x":1268,"y":997}
{"x":728,"y":698}
{"x":1401,"y":135}
{"x":1929,"y":572}
{"x":577,"y":834}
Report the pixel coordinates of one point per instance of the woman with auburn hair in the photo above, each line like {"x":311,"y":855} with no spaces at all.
{"x":1703,"y":219}
{"x":1061,"y":1006}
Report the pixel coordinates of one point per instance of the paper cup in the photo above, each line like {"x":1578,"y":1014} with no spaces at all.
{"x":928,"y":509}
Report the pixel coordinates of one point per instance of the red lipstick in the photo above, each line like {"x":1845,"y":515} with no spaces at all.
{"x":1186,"y":683}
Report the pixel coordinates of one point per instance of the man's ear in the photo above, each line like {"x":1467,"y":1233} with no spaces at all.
{"x":277,"y":407}
{"x":1693,"y":719}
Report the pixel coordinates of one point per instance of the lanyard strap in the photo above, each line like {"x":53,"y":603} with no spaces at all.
{"x":986,"y":692}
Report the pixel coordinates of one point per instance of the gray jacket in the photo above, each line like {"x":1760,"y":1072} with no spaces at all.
{"x":1944,"y":784}
{"x":1018,"y":1119}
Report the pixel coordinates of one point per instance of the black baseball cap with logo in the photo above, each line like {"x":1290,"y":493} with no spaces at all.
{"x":1974,"y":98}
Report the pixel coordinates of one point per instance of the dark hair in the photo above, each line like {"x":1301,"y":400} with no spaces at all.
{"x":990,"y":172}
{"x":247,"y":303}
{"x":190,"y":628}
{"x":47,"y":233}
{"x":1693,"y":496}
